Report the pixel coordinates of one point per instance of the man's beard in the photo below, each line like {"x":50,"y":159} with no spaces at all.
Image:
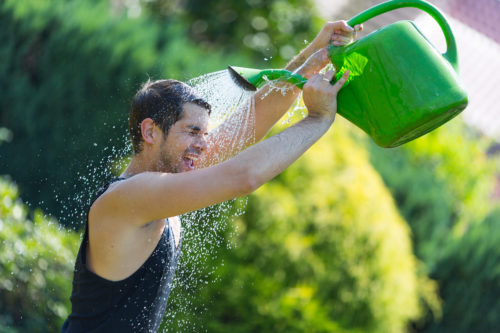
{"x":165,"y":162}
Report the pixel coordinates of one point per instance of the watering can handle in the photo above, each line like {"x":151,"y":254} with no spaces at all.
{"x":451,"y":47}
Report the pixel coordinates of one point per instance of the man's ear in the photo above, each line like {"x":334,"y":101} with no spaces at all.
{"x":148,"y":132}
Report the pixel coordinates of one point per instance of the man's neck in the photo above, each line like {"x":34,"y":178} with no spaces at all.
{"x":138,"y":164}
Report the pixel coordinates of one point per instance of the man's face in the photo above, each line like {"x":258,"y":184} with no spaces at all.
{"x":186,"y":140}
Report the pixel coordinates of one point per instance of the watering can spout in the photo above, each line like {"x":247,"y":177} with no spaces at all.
{"x":245,"y":78}
{"x":250,"y":79}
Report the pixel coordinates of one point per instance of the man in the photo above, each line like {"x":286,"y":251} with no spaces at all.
{"x":131,"y":244}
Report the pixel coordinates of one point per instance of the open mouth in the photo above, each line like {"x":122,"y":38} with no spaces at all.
{"x":189,"y":161}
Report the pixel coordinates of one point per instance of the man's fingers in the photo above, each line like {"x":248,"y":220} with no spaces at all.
{"x":329,"y":32}
{"x":314,"y":78}
{"x":340,"y":83}
{"x":345,"y":27}
{"x":344,"y":34}
{"x":329,"y":75}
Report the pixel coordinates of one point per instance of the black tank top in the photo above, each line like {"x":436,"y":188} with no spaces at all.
{"x":135,"y":304}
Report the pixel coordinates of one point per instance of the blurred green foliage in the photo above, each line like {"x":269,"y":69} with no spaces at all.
{"x":442,"y":183}
{"x":5,"y":135}
{"x":36,"y":267}
{"x":469,"y":276}
{"x":273,"y":30}
{"x":321,"y":248}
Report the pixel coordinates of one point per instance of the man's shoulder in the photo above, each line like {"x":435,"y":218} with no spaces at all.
{"x":115,"y":203}
{"x":104,"y":188}
{"x":101,"y":208}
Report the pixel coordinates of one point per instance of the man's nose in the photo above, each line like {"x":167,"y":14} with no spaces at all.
{"x":200,"y":143}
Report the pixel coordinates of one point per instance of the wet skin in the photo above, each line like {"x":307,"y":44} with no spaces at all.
{"x":177,"y":152}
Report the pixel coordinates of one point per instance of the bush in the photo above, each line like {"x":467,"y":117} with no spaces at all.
{"x":36,"y":267}
{"x":442,"y":184}
{"x":321,"y":248}
{"x":469,"y":276}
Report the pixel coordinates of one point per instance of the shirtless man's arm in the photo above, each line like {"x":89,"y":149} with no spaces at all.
{"x":124,"y":214}
{"x":269,"y":109}
{"x":149,"y":196}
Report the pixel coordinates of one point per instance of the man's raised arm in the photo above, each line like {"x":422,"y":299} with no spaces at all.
{"x":150,"y":196}
{"x":269,"y":109}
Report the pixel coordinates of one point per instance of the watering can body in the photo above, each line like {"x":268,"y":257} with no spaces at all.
{"x":399,"y":88}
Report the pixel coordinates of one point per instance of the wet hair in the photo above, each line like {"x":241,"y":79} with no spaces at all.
{"x":163,"y":102}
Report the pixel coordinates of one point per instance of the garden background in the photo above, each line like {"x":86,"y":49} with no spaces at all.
{"x":351,"y":238}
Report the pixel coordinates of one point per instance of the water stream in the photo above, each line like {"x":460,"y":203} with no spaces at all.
{"x":205,"y":232}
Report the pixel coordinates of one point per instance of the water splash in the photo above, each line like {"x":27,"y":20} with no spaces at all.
{"x":284,"y":88}
{"x":297,"y":108}
{"x":225,"y":97}
{"x":230,"y":105}
{"x":206,"y":232}
{"x":73,"y":212}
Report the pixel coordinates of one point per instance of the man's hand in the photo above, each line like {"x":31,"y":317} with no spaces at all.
{"x":320,"y":96}
{"x":314,"y":63}
{"x":338,"y":33}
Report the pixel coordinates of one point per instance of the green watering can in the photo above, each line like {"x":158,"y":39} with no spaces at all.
{"x":400,"y":87}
